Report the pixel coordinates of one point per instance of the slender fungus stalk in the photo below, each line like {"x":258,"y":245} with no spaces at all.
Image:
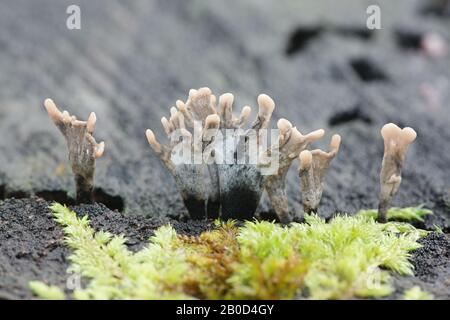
{"x":290,"y":143}
{"x":396,"y":143}
{"x":83,"y":149}
{"x":313,"y":167}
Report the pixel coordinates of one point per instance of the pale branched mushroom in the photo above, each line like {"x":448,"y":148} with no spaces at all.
{"x":313,"y":167}
{"x":212,"y":179}
{"x":240,"y":179}
{"x":396,"y":144}
{"x":228,"y":180}
{"x":83,"y":149}
{"x":290,"y":143}
{"x":187,"y":156}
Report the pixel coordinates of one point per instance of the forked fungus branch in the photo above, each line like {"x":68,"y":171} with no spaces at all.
{"x":396,"y":144}
{"x":83,"y":149}
{"x":313,"y":167}
{"x":290,"y":143}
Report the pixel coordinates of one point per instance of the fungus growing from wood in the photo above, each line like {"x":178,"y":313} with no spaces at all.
{"x":290,"y":144}
{"x":221,"y":172}
{"x":396,"y":144}
{"x":184,"y":156}
{"x":83,"y":149}
{"x":313,"y":167}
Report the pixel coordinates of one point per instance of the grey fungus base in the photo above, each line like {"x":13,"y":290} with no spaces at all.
{"x":82,"y":147}
{"x":396,"y":144}
{"x":313,"y":167}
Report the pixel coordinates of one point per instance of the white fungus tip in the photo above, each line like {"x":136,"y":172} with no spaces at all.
{"x":100,"y":149}
{"x":164,"y":121}
{"x":52,"y":110}
{"x":284,"y":125}
{"x":389,"y":131}
{"x":266,"y":104}
{"x":409,"y":134}
{"x":91,"y":122}
{"x":315,"y":135}
{"x":173,"y":111}
{"x":150,"y":136}
{"x":245,"y":113}
{"x":66,"y":116}
{"x":152,"y":140}
{"x":49,"y":104}
{"x":226,"y":99}
{"x":305,"y":159}
{"x":204,"y":91}
{"x":335,"y":142}
{"x":212,"y":121}
{"x":166,"y":125}
{"x":225,"y":105}
{"x":192,"y":93}
{"x":180,"y":105}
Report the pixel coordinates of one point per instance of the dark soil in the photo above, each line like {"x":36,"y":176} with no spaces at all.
{"x":31,"y":243}
{"x":431,"y":268}
{"x":31,"y":247}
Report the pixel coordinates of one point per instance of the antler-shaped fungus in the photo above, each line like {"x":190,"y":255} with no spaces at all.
{"x":290,"y":143}
{"x":227,"y":180}
{"x":83,"y":149}
{"x":188,"y":155}
{"x":313,"y":167}
{"x":396,"y":143}
{"x":240,"y":177}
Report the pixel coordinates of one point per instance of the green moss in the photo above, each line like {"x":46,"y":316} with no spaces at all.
{"x":415,"y":293}
{"x":46,"y":292}
{"x":401,"y":214}
{"x":351,"y":256}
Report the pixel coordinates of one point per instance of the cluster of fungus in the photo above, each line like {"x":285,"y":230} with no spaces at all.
{"x":211,"y":156}
{"x":226,"y":183}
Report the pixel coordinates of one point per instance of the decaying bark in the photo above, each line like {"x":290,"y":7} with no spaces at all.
{"x":83,"y":149}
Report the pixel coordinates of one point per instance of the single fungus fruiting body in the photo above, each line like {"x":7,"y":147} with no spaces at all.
{"x":188,"y":153}
{"x":313,"y":167}
{"x":223,"y":167}
{"x":83,"y":149}
{"x":396,"y":144}
{"x":290,"y":143}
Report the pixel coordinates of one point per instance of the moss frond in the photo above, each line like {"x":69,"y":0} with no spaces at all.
{"x":416,"y":293}
{"x":269,"y":265}
{"x":46,"y":292}
{"x":350,"y":256}
{"x":401,"y":214}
